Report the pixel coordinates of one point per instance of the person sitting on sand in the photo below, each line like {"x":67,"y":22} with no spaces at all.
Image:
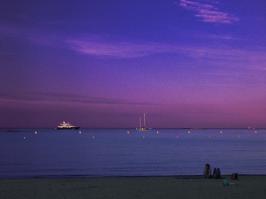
{"x":217,"y":173}
{"x":207,"y":171}
{"x":214,"y":172}
{"x":234,"y":176}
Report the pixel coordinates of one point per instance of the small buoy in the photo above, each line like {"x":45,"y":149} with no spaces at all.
{"x":80,"y":132}
{"x":128,"y":132}
{"x":24,"y":138}
{"x":35,"y":132}
{"x":157,"y":132}
{"x":188,"y":131}
{"x":221,"y":132}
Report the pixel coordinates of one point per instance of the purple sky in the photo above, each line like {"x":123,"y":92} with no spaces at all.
{"x":103,"y":63}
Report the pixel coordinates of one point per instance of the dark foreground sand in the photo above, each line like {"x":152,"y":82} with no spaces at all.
{"x":249,"y":187}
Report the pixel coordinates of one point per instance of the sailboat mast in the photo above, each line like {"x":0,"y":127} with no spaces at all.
{"x":144,"y":120}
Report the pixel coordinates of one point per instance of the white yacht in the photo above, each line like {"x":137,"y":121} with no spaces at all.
{"x":66,"y":125}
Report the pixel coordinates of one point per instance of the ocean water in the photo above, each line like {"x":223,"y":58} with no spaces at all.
{"x":126,"y":152}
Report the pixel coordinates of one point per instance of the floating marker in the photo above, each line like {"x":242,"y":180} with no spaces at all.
{"x":157,"y":132}
{"x":80,"y":132}
{"x":24,"y":138}
{"x":221,"y":132}
{"x":128,"y":132}
{"x":35,"y":132}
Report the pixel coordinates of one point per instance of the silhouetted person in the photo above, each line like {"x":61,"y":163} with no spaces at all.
{"x":214,"y":172}
{"x":207,"y":171}
{"x":217,"y":173}
{"x":234,"y":176}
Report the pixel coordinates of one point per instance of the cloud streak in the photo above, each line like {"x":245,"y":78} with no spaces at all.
{"x":117,"y":49}
{"x":50,"y":97}
{"x":207,"y":12}
{"x":100,"y":47}
{"x":128,"y":50}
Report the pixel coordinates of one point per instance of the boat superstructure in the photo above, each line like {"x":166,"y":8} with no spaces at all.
{"x":66,"y":125}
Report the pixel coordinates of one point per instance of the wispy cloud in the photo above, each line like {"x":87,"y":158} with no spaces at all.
{"x":218,"y":54}
{"x":208,"y":12}
{"x":102,"y":47}
{"x":221,"y":37}
{"x":117,"y":49}
{"x":55,"y":98}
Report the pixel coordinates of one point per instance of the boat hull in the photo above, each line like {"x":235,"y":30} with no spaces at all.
{"x":144,"y":129}
{"x":70,"y":128}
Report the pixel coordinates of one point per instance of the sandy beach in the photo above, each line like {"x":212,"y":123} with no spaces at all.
{"x":133,"y":187}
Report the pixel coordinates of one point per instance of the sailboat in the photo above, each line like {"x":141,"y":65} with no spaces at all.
{"x":144,"y":127}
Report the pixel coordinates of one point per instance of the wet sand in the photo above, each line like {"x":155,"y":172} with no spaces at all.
{"x":248,"y":187}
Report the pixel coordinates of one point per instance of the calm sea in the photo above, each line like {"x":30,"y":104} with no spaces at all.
{"x":125,"y":152}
